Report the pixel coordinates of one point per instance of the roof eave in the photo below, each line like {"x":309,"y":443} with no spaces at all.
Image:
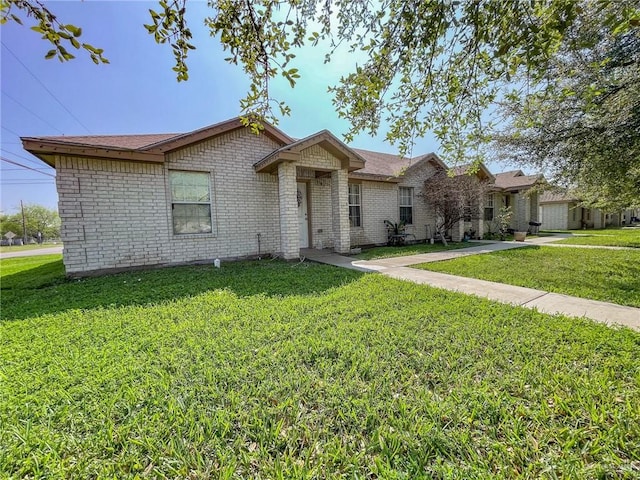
{"x":375,"y":177}
{"x":42,"y":148}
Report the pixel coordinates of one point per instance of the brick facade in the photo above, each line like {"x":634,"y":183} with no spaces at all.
{"x":118,"y":214}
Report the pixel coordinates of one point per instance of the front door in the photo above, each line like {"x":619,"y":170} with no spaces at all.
{"x":303,"y":215}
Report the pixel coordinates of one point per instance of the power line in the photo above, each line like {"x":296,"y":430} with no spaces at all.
{"x":45,"y":87}
{"x":17,"y":169}
{"x":25,"y":166}
{"x":35,"y":162}
{"x":10,"y":131}
{"x":32,"y":112}
{"x":28,"y":182}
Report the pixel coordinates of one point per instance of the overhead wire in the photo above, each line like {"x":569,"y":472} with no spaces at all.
{"x":10,"y":131}
{"x":35,"y":162}
{"x":4,"y":159}
{"x":45,"y":87}
{"x":31,"y":112}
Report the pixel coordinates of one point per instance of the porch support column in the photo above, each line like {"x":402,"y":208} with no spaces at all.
{"x":340,"y":209}
{"x":289,"y":233}
{"x":520,"y":212}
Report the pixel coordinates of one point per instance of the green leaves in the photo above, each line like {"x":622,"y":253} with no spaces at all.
{"x":580,"y":121}
{"x":170,"y":26}
{"x":437,"y":66}
{"x":61,"y":36}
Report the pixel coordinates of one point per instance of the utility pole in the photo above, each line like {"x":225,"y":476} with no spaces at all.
{"x":24,"y":225}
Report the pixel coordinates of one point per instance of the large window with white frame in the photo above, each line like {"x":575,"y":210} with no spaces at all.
{"x":406,"y":205}
{"x":190,"y":202}
{"x":488,"y":208}
{"x":355,"y":205}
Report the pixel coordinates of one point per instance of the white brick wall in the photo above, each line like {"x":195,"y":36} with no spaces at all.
{"x":379,"y":203}
{"x":117,"y":214}
{"x":423,"y":214}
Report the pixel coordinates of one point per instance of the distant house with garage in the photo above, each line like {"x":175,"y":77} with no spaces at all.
{"x":223,"y":192}
{"x":559,"y":210}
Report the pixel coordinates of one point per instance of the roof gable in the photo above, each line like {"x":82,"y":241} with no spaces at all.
{"x":390,"y":167}
{"x":481,"y":171}
{"x":325,"y":139}
{"x":516,"y":180}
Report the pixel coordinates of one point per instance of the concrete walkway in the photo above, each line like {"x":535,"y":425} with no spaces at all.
{"x":552,"y":303}
{"x":32,"y":253}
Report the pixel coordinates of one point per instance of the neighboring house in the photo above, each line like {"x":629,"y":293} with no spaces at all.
{"x":222,"y":192}
{"x":562,"y":211}
{"x":520,"y":192}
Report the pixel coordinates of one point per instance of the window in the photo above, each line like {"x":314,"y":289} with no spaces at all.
{"x":488,"y":208}
{"x":190,"y":202}
{"x":406,"y":205}
{"x":355,"y":205}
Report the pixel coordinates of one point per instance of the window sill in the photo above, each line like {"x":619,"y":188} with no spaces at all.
{"x":189,"y":236}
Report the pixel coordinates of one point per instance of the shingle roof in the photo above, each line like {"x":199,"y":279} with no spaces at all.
{"x":112,"y":141}
{"x":384,"y":164}
{"x":378,"y":166}
{"x":387,"y":165}
{"x":515,"y":180}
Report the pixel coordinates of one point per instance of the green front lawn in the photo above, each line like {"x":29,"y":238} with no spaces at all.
{"x":276,"y":370}
{"x":614,"y":237}
{"x":599,"y":274}
{"x":418,"y":248}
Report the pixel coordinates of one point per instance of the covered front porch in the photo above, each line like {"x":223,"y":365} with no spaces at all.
{"x":313,"y":193}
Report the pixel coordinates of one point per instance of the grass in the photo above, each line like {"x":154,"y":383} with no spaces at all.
{"x":22,"y":248}
{"x":269,"y":370}
{"x":33,"y":286}
{"x":387,"y":252}
{"x":599,"y":274}
{"x":614,"y":237}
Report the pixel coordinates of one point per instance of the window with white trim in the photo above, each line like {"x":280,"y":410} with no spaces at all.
{"x":355,"y":205}
{"x":488,"y":208}
{"x":406,"y":205}
{"x":190,"y":202}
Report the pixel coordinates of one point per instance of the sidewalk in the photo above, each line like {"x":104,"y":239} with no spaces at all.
{"x":32,"y":253}
{"x":552,"y":303}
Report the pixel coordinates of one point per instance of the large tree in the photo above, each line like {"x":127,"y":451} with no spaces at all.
{"x":582,"y":123}
{"x":37,"y":219}
{"x":431,"y":65}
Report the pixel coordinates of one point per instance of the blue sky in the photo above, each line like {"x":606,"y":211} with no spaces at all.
{"x":137,"y":92}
